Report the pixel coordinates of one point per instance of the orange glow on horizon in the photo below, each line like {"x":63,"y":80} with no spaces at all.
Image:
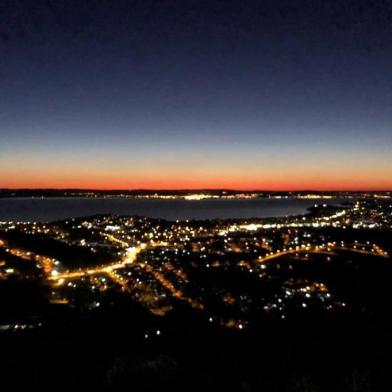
{"x":269,"y":184}
{"x":286,"y":176}
{"x":283,"y":172}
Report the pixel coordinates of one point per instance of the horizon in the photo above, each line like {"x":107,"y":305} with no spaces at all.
{"x":260,"y":190}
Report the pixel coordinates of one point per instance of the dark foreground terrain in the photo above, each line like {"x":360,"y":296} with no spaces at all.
{"x":310,"y":352}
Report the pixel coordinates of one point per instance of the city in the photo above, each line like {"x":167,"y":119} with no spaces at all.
{"x":160,"y":263}
{"x":221,"y":275}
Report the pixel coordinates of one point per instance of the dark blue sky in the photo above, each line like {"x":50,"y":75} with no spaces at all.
{"x":244,"y":94}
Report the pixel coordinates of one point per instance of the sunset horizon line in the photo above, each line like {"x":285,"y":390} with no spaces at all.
{"x":198,"y":189}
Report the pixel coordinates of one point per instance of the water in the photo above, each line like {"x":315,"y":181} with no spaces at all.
{"x":51,"y":209}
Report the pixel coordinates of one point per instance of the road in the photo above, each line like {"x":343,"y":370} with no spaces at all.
{"x":328,"y":248}
{"x":129,"y":258}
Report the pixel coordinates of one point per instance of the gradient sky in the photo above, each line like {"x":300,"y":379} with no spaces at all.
{"x":196,"y":94}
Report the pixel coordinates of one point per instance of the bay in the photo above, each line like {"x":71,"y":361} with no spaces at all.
{"x":52,"y":209}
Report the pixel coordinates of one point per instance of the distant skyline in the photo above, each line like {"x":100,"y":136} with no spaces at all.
{"x":283,"y":95}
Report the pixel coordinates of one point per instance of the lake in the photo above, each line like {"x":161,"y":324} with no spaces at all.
{"x":51,"y":209}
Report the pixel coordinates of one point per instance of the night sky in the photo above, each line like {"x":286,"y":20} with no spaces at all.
{"x":196,"y":94}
